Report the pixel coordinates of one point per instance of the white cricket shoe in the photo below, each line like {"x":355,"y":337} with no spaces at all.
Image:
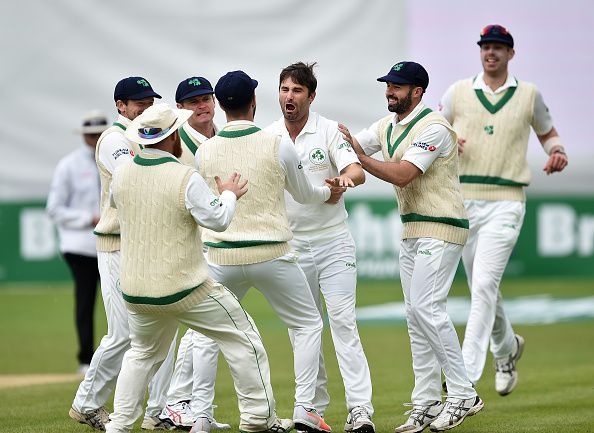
{"x":506,"y":375}
{"x":419,"y":417}
{"x":280,"y":425}
{"x":156,"y":423}
{"x":454,"y":411}
{"x":95,"y":419}
{"x":180,"y":414}
{"x":308,"y":420}
{"x":359,"y":421}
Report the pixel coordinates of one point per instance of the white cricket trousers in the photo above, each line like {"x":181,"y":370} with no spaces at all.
{"x":327,"y":257}
{"x":285,"y":287}
{"x":100,"y":379}
{"x":494,"y":230}
{"x":221,"y":317}
{"x":427,"y":269}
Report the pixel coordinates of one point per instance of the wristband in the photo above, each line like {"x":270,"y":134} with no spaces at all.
{"x":553,"y":145}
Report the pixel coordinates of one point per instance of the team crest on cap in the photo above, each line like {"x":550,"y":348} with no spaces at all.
{"x":398,"y":66}
{"x":142,"y":83}
{"x":194,"y":82}
{"x":317,"y":156}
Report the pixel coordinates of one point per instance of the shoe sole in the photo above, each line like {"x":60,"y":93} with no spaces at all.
{"x":366,"y":428}
{"x":471,"y":412}
{"x":78,"y":417}
{"x":521,"y":344}
{"x":302,"y":427}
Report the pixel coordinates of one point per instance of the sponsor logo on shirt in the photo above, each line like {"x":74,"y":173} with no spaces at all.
{"x":425,"y":146}
{"x":424,"y":252}
{"x":214,"y":202}
{"x":121,"y":152}
{"x":346,"y":145}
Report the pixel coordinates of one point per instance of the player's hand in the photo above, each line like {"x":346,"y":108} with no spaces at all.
{"x":342,"y":180}
{"x":335,"y":192}
{"x":233,"y":184}
{"x":347,"y":136}
{"x":461,"y":142}
{"x":557,"y":162}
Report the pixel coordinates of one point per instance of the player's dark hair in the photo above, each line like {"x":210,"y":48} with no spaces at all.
{"x":300,"y":73}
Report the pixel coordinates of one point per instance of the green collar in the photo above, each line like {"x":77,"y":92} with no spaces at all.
{"x":392,"y":147}
{"x":153,"y":161}
{"x":119,"y":125}
{"x":188,"y":141}
{"x":238,"y":133}
{"x":494,"y":108}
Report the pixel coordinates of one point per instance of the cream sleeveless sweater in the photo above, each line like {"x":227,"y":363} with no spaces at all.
{"x":493,"y":165}
{"x":163,"y":267}
{"x":108,"y":228}
{"x":260,"y":229}
{"x":431,"y":205}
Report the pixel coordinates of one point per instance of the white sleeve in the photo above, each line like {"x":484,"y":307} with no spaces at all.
{"x":542,"y":122}
{"x":210,"y":211}
{"x":58,"y":199}
{"x":433,"y":142}
{"x":369,"y":139}
{"x":114,"y":151}
{"x":445,"y":104}
{"x":296,"y":182}
{"x":341,"y":151}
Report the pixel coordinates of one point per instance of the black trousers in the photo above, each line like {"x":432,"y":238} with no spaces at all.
{"x":85,"y":273}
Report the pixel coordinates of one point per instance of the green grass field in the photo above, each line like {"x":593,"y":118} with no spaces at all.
{"x":555,"y":394}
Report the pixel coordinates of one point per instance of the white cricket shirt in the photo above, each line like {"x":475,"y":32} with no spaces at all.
{"x":323,"y":153}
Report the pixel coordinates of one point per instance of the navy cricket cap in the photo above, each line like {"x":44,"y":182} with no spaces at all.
{"x":235,"y":89}
{"x":193,"y":86}
{"x":496,"y":33}
{"x":133,"y":88}
{"x":407,"y":73}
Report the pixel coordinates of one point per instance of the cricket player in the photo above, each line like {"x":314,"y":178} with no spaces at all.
{"x":254,"y":251}
{"x":132,"y":96}
{"x":164,"y":277}
{"x":421,"y":161}
{"x":492,"y":114}
{"x":320,"y":230}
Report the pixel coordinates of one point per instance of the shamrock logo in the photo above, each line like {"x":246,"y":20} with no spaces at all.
{"x":489,"y":129}
{"x":398,"y":66}
{"x":143,"y":83}
{"x":194,"y":82}
{"x":317,"y":156}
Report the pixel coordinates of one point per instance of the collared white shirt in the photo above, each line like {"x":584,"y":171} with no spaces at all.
{"x":73,"y":201}
{"x":433,"y":142}
{"x":323,"y":153}
{"x":542,"y":122}
{"x":114,"y":149}
{"x":197,"y":135}
{"x":209,"y":210}
{"x":295,"y":180}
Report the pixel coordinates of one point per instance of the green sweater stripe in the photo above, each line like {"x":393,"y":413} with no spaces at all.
{"x":240,"y":244}
{"x":500,"y":104}
{"x":119,"y":125}
{"x":149,"y":161}
{"x":415,"y":217}
{"x":188,"y":141}
{"x":165,"y":300}
{"x":490,"y":180}
{"x":392,"y":147}
{"x":239,"y":133}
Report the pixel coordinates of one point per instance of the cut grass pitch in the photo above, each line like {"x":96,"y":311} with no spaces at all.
{"x":555,"y":394}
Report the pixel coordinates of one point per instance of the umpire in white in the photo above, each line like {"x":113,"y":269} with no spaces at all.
{"x":164,"y":276}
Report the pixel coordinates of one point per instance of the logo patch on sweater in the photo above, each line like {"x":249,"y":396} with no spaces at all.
{"x":424,"y":146}
{"x":489,"y":129}
{"x":120,"y":152}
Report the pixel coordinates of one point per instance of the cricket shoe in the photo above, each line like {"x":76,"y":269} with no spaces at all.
{"x":156,"y":423}
{"x":454,"y":411}
{"x":419,"y":417}
{"x":181,"y":415}
{"x":95,"y":419}
{"x":506,"y":375}
{"x":280,"y":425}
{"x":359,"y":421}
{"x":205,"y":425}
{"x":308,"y":420}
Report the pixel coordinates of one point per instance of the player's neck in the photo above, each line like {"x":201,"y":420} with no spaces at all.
{"x":206,"y":129}
{"x":294,"y":128}
{"x":495,"y":79}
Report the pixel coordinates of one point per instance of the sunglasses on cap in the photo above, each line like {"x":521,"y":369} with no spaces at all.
{"x":494,"y":29}
{"x":150,"y":133}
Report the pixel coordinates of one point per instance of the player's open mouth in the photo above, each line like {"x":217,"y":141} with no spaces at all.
{"x":289,"y":107}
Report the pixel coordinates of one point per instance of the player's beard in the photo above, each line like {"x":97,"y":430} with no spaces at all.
{"x":402,"y":105}
{"x":177,"y":149}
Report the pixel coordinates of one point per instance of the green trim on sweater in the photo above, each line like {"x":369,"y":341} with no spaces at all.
{"x":500,"y":104}
{"x":240,"y":244}
{"x":119,"y":125}
{"x":188,"y":141}
{"x":106,"y":234}
{"x":165,"y":300}
{"x":392,"y":147}
{"x":489,"y":180}
{"x":415,"y":217}
{"x":157,"y":161}
{"x":239,"y":133}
